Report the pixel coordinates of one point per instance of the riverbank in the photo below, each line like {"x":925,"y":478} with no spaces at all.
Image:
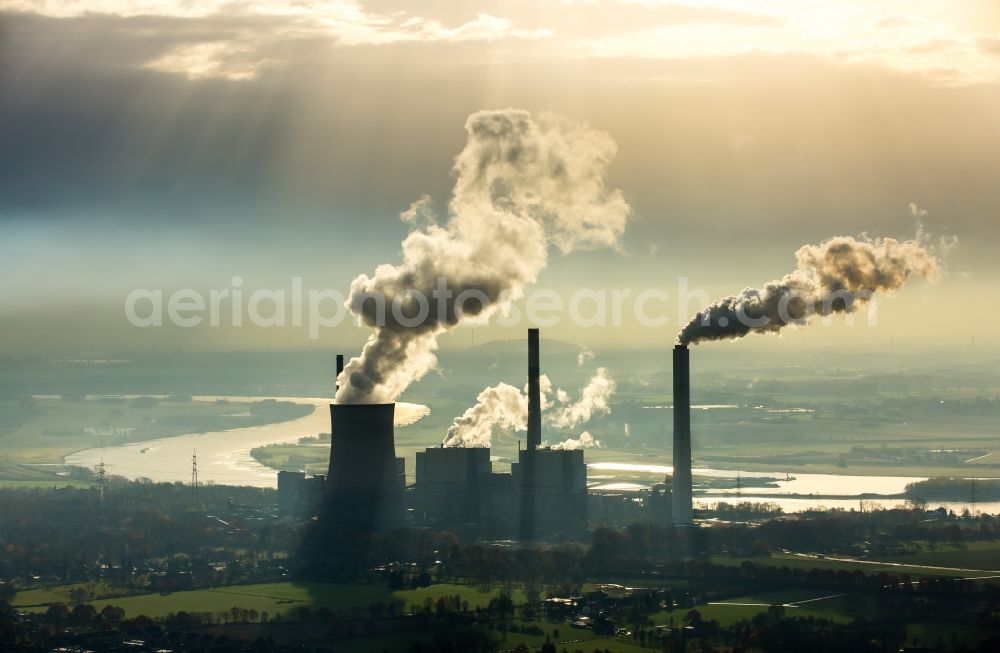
{"x":39,"y":433}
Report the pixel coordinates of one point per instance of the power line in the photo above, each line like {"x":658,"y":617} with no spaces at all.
{"x":194,"y":475}
{"x":101,"y":478}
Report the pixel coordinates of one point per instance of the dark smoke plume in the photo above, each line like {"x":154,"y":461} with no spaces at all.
{"x":836,"y":276}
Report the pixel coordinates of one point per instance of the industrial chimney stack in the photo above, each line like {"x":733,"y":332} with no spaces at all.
{"x":534,"y":393}
{"x":528,"y":459}
{"x":681,"y":501}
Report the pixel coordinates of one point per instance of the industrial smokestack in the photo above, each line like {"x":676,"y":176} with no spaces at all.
{"x":362,"y":489}
{"x":340,"y":369}
{"x":534,"y":393}
{"x":528,"y":463}
{"x":681,"y":502}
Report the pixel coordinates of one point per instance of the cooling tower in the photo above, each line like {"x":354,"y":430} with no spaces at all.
{"x":681,"y":500}
{"x":363,"y":489}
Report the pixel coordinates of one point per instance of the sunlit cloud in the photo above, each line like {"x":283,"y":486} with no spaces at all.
{"x":341,"y":23}
{"x":206,"y":60}
{"x":942,"y":41}
{"x":854,"y":35}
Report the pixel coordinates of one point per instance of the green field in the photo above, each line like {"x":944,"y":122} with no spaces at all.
{"x":973,"y":555}
{"x":797,"y":602}
{"x":277,"y":598}
{"x":312,"y":458}
{"x":559,"y":633}
{"x":14,"y":475}
{"x":948,"y":560}
{"x":272,"y":598}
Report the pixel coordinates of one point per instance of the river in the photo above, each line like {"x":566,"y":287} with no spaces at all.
{"x":223,"y":456}
{"x":791,"y":493}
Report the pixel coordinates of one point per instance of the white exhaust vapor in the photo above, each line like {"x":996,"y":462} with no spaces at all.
{"x":593,"y":401}
{"x":523,"y":184}
{"x":585,"y":441}
{"x":505,"y":408}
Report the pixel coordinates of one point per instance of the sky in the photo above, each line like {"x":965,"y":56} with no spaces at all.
{"x":155,"y":144}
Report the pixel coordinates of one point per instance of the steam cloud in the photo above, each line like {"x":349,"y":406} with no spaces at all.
{"x":504,"y":407}
{"x":585,"y":441}
{"x":836,"y":276}
{"x":593,"y":401}
{"x":522,"y":185}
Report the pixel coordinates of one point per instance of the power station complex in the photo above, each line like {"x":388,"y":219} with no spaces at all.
{"x":544,"y":496}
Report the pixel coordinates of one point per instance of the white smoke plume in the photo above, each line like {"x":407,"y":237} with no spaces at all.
{"x":836,"y":276}
{"x":500,"y":407}
{"x":585,"y":441}
{"x":583,"y":355}
{"x":593,"y":401}
{"x":523,"y":184}
{"x":503,"y":407}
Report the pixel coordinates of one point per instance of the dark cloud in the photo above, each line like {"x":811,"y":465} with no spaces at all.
{"x":82,"y":123}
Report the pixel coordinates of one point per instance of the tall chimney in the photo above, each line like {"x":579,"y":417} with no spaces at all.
{"x":527,"y":458}
{"x":681,"y":498}
{"x":534,"y":393}
{"x":340,"y":368}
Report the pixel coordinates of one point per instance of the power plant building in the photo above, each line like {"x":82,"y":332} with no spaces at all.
{"x":456,"y":488}
{"x":453,"y":486}
{"x":544,"y":496}
{"x":554,"y":483}
{"x":299,"y":495}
